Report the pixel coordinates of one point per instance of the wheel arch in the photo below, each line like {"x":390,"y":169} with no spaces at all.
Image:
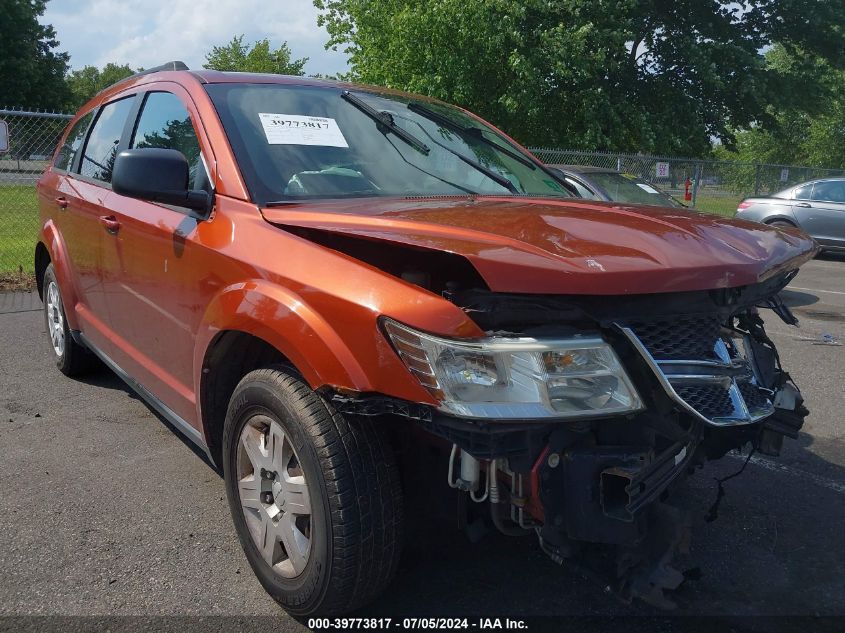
{"x":42,"y":260}
{"x":782,"y":220}
{"x":52,"y":246}
{"x":257,"y":324}
{"x":231,"y":355}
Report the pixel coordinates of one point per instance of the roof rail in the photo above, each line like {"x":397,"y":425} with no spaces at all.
{"x":167,"y":66}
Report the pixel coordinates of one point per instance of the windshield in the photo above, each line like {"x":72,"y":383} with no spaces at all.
{"x":301,"y":142}
{"x":621,"y":188}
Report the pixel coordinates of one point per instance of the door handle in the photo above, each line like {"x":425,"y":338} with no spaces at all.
{"x":804,"y":205}
{"x":111,"y":223}
{"x":62,"y":202}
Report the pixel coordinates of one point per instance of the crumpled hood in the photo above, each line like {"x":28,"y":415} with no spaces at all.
{"x":568,"y":246}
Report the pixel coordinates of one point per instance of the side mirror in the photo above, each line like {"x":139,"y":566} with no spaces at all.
{"x":157,"y":175}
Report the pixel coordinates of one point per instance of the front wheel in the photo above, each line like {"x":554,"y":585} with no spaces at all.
{"x":315,"y":498}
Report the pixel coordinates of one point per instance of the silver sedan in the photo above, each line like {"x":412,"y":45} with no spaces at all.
{"x":817,"y":207}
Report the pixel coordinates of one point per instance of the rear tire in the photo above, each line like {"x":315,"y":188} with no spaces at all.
{"x":348,"y":518}
{"x":71,"y":358}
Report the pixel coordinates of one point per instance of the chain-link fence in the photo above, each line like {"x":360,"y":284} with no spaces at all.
{"x":27,"y":140}
{"x":714,"y":186}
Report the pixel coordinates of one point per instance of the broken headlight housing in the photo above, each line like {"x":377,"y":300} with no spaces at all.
{"x":517,"y":378}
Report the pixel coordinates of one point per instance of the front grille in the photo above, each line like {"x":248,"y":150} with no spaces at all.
{"x":700,"y":369}
{"x":754,"y":397}
{"x":682,"y":338}
{"x":711,"y":401}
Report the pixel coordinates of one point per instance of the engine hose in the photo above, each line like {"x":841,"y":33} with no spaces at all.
{"x":510,"y":529}
{"x":498,"y":521}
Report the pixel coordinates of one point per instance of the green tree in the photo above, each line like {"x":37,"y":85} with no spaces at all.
{"x":626,"y":75}
{"x":237,"y":56}
{"x":31,"y":70}
{"x":807,"y":129}
{"x":90,"y":80}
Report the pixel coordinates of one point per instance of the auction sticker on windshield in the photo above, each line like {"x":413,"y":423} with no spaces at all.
{"x":294,"y":129}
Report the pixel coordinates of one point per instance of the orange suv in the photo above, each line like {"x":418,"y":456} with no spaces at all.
{"x":312,"y":280}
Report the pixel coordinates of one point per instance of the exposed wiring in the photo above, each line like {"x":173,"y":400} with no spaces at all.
{"x":713,"y":513}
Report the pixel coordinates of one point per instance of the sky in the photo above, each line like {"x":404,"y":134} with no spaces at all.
{"x":146,"y":33}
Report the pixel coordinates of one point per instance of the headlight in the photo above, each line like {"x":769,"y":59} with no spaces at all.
{"x":517,"y":378}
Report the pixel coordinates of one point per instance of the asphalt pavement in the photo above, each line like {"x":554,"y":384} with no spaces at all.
{"x":104,"y":510}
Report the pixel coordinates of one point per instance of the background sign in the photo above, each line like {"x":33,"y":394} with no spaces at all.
{"x":662,"y":170}
{"x":784,"y":175}
{"x":4,"y":137}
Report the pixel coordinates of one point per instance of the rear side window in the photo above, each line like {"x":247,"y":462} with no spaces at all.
{"x":831,"y":191}
{"x":165,"y":123}
{"x":101,"y":148}
{"x":803,"y":193}
{"x":64,"y":159}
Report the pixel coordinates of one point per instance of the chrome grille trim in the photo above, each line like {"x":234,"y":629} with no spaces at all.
{"x":681,"y":337}
{"x":724,"y":371}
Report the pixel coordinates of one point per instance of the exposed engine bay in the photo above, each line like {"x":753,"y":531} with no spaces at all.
{"x":693,"y":373}
{"x":596,"y":492}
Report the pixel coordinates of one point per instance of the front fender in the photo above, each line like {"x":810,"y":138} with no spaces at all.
{"x":55,"y":244}
{"x":284,"y":320}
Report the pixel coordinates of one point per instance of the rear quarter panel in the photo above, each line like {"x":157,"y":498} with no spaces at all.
{"x":50,"y":235}
{"x":768,"y":210}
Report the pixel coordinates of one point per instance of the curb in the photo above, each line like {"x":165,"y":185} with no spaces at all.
{"x":17,"y":301}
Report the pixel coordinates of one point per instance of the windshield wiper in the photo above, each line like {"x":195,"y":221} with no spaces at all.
{"x":492,"y":175}
{"x":428,"y":173}
{"x":385,"y":122}
{"x":472,"y":132}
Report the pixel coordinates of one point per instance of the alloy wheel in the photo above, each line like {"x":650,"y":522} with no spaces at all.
{"x":55,"y":319}
{"x":274,"y":496}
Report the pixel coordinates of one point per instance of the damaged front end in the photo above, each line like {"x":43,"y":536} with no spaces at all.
{"x":697,"y":377}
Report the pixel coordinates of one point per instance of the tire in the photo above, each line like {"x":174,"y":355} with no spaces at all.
{"x":71,"y":358}
{"x":354,"y":525}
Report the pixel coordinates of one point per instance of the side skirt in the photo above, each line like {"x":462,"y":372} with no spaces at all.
{"x":166,"y":412}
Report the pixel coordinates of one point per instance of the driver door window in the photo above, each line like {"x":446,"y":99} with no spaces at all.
{"x":165,"y":123}
{"x":830,"y":191}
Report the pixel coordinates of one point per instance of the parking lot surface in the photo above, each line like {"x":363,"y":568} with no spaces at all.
{"x":104,"y":510}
